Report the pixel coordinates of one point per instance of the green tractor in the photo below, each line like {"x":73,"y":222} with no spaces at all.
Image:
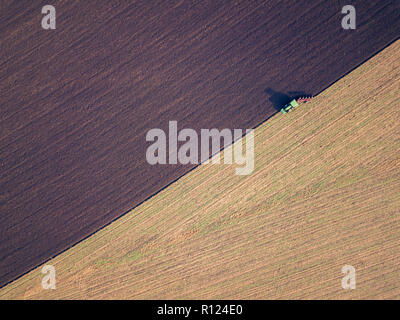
{"x":294,"y":104}
{"x":291,"y":105}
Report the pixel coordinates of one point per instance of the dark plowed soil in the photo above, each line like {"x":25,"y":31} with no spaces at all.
{"x":76,"y":102}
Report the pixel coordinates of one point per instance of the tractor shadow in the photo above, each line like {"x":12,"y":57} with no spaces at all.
{"x":279,"y":99}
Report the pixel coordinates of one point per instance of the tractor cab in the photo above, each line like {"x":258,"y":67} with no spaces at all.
{"x":291,"y":105}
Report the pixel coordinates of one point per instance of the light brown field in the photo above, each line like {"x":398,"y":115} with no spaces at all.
{"x":325,"y":193}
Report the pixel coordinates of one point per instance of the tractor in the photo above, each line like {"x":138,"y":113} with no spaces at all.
{"x":291,"y":105}
{"x":294,"y":104}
